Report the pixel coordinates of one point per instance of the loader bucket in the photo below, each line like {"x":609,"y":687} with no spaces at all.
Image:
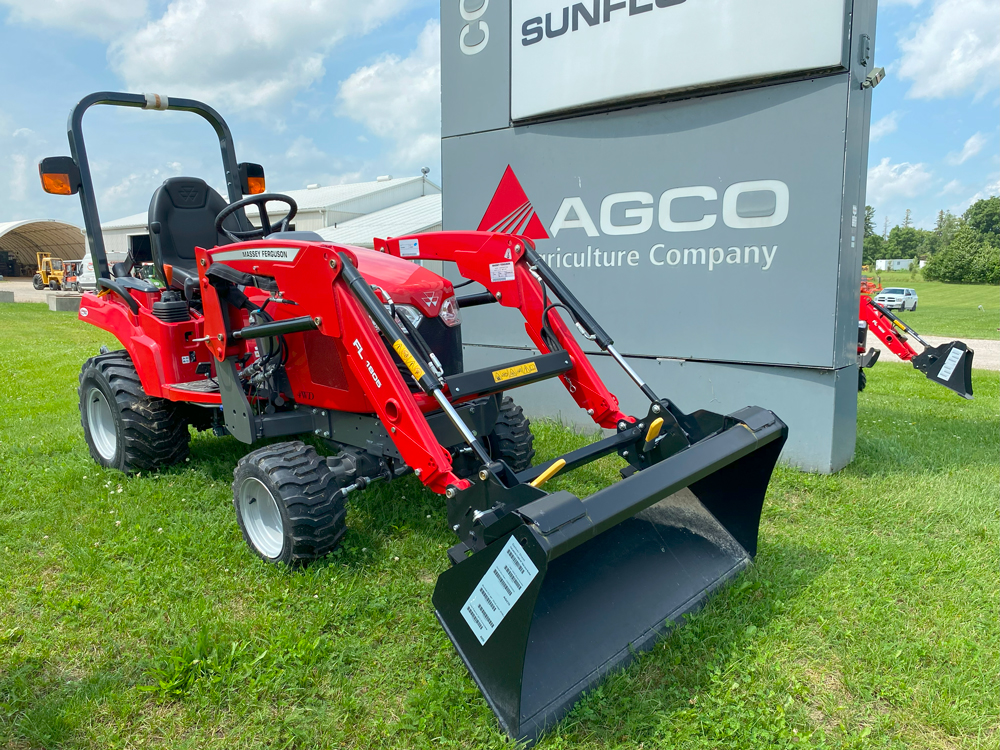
{"x":948,"y":364}
{"x":580,"y":586}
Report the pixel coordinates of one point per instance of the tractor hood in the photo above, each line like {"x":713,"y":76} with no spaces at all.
{"x":405,"y":281}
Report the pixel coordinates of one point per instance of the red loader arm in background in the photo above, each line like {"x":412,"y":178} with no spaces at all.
{"x":498,"y":262}
{"x":889,"y":332}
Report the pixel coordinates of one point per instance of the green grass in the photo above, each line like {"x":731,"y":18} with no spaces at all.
{"x":949,"y":309}
{"x":132,"y":615}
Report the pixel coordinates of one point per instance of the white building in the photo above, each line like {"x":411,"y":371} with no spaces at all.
{"x":896,"y":264}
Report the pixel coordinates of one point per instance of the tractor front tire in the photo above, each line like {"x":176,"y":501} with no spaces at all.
{"x":37,"y":282}
{"x":862,"y":379}
{"x":511,"y":439}
{"x":54,"y":285}
{"x":288,"y":504}
{"x":125,"y":429}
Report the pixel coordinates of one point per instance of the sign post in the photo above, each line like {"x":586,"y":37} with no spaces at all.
{"x":694,"y":171}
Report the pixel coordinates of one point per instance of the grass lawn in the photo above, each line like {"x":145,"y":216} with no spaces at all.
{"x":132,"y":615}
{"x":949,"y":309}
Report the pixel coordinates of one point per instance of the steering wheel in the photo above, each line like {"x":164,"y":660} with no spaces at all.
{"x":265,"y":223}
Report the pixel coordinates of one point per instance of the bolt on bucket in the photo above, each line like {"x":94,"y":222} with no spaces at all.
{"x":545,"y":611}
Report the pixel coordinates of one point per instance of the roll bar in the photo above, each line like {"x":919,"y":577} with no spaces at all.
{"x":78,"y":150}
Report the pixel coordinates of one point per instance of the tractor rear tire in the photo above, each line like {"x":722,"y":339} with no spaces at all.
{"x":862,"y":379}
{"x":288,"y":504}
{"x":510,"y":439}
{"x":125,"y":429}
{"x":37,"y":282}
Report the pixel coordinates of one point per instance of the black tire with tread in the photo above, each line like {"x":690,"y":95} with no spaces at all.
{"x":37,"y":282}
{"x":151,"y":432}
{"x":862,"y":379}
{"x":511,"y":439}
{"x":312,"y":508}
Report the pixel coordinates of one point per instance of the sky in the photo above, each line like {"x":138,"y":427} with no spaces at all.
{"x":333,"y":91}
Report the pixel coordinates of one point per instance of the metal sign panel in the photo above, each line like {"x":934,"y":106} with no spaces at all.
{"x":565,"y":55}
{"x":695,"y":217}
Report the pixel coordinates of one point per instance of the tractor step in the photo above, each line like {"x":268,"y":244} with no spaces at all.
{"x":510,"y":375}
{"x":196,"y":386}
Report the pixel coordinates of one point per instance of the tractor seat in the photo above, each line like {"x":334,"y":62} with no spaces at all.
{"x":182,"y":217}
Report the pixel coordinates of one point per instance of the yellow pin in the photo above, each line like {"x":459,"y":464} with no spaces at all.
{"x":550,"y":472}
{"x":654,"y":429}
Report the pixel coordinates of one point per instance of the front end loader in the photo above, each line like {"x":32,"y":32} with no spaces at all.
{"x":261,"y":333}
{"x":948,"y":364}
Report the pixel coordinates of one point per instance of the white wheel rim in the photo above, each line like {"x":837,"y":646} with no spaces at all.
{"x":101,"y":421}
{"x":261,"y":517}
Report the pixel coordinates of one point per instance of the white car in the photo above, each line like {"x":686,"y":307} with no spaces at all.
{"x":897,"y":299}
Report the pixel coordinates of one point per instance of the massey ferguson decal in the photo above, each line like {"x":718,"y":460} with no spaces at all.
{"x":756,"y":204}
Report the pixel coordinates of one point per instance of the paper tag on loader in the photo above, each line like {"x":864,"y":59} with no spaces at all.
{"x":498,"y":591}
{"x":954,"y":357}
{"x":409,"y":248}
{"x":502,"y":271}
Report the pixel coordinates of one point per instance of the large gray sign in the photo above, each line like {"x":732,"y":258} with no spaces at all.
{"x":720,"y":228}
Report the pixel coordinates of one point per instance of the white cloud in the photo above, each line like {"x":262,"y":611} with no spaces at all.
{"x":400,"y":100}
{"x":955,"y":50}
{"x":249,"y":55}
{"x":952,"y":187}
{"x":881,"y":128}
{"x":991,"y":189}
{"x":101,"y":18}
{"x":887,"y":181}
{"x":972,"y":147}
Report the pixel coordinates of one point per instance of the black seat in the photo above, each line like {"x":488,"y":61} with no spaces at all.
{"x":182,"y":217}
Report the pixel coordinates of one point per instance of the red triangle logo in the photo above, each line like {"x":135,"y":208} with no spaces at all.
{"x":510,"y":211}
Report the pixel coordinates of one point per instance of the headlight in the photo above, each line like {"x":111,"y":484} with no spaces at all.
{"x":413,"y":316}
{"x":449,"y":312}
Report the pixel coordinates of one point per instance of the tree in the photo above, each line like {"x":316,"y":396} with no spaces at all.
{"x":946,"y":226}
{"x":904,"y":242}
{"x":869,"y":221}
{"x":874,"y":249}
{"x":971,"y":257}
{"x":908,"y":219}
{"x":984,"y":217}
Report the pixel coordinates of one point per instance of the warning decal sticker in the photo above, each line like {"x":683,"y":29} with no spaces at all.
{"x":408,"y":360}
{"x":509,"y":373}
{"x":499,"y":590}
{"x":502,"y":271}
{"x":954,"y":357}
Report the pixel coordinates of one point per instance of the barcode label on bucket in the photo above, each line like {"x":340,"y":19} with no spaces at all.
{"x":954,"y":357}
{"x":499,"y":590}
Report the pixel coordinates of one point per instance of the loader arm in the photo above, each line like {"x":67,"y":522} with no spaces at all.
{"x":500,"y":263}
{"x":889,"y":331}
{"x":949,"y":364}
{"x":339,"y":315}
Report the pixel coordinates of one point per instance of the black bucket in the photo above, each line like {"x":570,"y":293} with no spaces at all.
{"x":948,"y":364}
{"x":544,"y":613}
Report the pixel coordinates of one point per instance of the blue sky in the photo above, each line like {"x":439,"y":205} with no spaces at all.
{"x":335,"y":91}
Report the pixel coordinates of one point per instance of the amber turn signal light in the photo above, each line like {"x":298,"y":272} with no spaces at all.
{"x":60,"y":175}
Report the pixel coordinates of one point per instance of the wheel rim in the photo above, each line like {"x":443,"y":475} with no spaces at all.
{"x":261,"y":517}
{"x":101,"y":421}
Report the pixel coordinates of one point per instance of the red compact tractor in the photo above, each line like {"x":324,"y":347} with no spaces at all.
{"x":949,"y":364}
{"x":269,"y":335}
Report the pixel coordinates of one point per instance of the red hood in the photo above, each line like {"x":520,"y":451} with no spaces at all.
{"x":405,"y":281}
